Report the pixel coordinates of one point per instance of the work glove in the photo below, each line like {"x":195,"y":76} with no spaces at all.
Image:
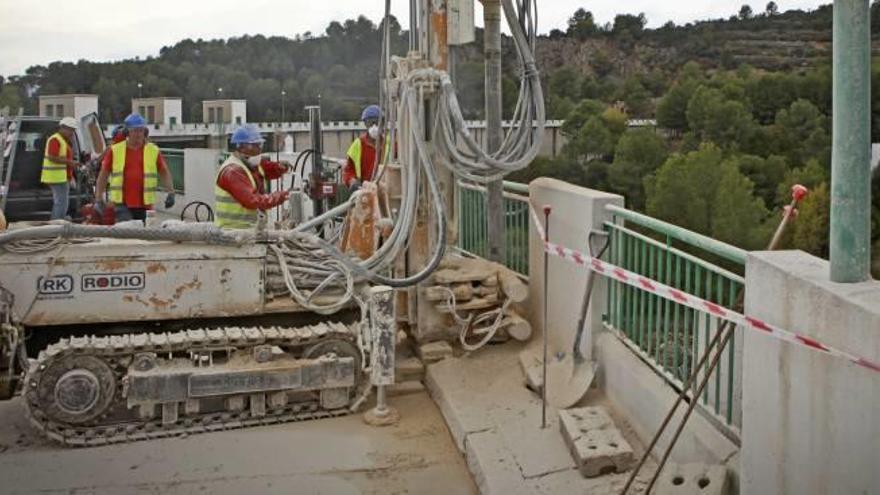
{"x":287,"y":166}
{"x":169,"y":200}
{"x":98,"y":208}
{"x":354,"y":186}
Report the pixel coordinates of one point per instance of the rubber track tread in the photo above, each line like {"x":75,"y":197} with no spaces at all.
{"x":125,"y":347}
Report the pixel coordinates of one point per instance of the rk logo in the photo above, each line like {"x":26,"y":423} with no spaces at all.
{"x":57,"y":284}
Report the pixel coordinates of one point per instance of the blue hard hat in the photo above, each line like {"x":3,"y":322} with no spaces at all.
{"x":246,"y":134}
{"x":134,"y":121}
{"x":372,"y":112}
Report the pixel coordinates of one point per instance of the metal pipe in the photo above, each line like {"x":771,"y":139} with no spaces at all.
{"x":547,"y":210}
{"x":317,"y":175}
{"x":492,"y":55}
{"x":850,"y":242}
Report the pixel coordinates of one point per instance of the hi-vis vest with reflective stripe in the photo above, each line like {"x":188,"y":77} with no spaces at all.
{"x":228,"y":212}
{"x":54,"y":173}
{"x":355,"y":152}
{"x":151,"y":174}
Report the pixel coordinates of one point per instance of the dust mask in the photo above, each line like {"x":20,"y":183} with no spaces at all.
{"x":373,"y":131}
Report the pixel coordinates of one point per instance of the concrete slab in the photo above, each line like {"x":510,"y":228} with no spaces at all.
{"x":340,"y":455}
{"x":493,"y":469}
{"x":692,"y":479}
{"x":538,"y":451}
{"x":497,"y":421}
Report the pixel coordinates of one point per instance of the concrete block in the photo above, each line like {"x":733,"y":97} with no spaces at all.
{"x":579,"y":420}
{"x":491,"y":465}
{"x":409,"y":369}
{"x":597,"y":446}
{"x":435,"y":351}
{"x":692,"y":479}
{"x":600,"y":452}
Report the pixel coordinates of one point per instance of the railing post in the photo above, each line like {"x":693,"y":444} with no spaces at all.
{"x":850,"y":243}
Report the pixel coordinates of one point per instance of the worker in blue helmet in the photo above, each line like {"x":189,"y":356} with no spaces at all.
{"x":241,"y":186}
{"x":134,"y":167}
{"x":363,"y":162}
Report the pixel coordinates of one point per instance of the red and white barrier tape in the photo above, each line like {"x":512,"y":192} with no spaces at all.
{"x":652,"y":286}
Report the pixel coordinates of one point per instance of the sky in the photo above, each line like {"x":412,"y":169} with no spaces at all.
{"x":105,"y":30}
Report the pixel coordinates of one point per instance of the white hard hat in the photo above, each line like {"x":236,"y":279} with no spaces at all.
{"x":69,"y":122}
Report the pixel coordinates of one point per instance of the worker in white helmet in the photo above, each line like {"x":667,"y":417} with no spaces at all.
{"x":58,"y":166}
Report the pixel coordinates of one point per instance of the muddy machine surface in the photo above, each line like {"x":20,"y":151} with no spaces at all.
{"x":133,"y":339}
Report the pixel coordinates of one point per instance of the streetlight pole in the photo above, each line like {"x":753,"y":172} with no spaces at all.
{"x":140,"y":89}
{"x":283,"y":97}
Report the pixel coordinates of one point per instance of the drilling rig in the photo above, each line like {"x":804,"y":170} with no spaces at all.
{"x":126,"y":332}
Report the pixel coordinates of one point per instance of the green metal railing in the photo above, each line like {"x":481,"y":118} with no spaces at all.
{"x":669,"y":336}
{"x":473,"y":232}
{"x":174,"y":161}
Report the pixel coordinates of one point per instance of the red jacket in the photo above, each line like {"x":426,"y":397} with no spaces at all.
{"x":234,"y":181}
{"x":368,"y":162}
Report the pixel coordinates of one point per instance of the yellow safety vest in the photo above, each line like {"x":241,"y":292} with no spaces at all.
{"x":151,"y":172}
{"x":54,"y":173}
{"x":354,"y":152}
{"x":228,"y":212}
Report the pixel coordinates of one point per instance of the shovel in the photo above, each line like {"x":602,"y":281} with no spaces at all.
{"x":569,"y":374}
{"x":572,"y":376}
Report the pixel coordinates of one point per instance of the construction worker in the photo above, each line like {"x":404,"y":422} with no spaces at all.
{"x":240,"y":187}
{"x":363,"y":160}
{"x":134,"y":168}
{"x":58,"y":166}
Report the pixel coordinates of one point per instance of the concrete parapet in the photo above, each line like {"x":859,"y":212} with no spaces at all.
{"x":810,"y":420}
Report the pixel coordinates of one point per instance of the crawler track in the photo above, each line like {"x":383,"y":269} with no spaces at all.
{"x":107,"y":360}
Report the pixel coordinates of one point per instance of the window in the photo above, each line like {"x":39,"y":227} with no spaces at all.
{"x":151,"y":114}
{"x":172,"y":121}
{"x":142,"y":110}
{"x":238,"y":120}
{"x":211,"y":114}
{"x":59,"y":110}
{"x":220,"y":115}
{"x":50,"y":110}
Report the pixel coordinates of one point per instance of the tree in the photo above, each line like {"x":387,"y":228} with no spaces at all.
{"x":745,"y":12}
{"x":772,"y":9}
{"x":565,"y":82}
{"x":580,"y":115}
{"x":637,"y":155}
{"x":801,"y":133}
{"x":737,"y":215}
{"x":682,"y":190}
{"x":703,"y":192}
{"x":601,"y":63}
{"x":672,"y":108}
{"x":581,"y":25}
{"x":810,"y":231}
{"x":765,"y":173}
{"x":628,"y":23}
{"x":636,"y":97}
{"x":594,"y":140}
{"x":615,"y":121}
{"x":713,"y":118}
